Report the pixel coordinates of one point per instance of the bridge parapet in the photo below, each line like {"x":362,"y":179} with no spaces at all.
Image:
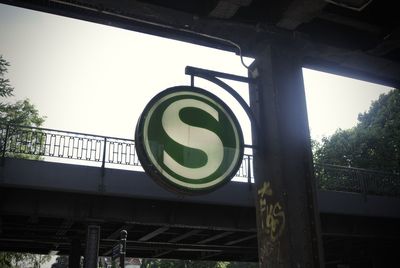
{"x":34,"y":143}
{"x":74,"y":147}
{"x":357,"y":180}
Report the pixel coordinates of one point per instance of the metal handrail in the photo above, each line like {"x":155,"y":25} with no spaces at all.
{"x":355,"y":169}
{"x":357,"y":180}
{"x":33,"y":142}
{"x":21,"y":141}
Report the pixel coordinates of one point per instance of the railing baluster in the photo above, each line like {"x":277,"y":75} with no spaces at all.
{"x":4,"y":149}
{"x":103,"y":161}
{"x":247,"y":168}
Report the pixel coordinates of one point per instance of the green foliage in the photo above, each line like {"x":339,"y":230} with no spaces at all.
{"x":235,"y":264}
{"x":22,"y":113}
{"x":6,"y":259}
{"x":5,"y":87}
{"x":17,"y":259}
{"x":162,"y":263}
{"x":374,"y":143}
{"x":158,"y":263}
{"x":37,"y":259}
{"x":19,"y":113}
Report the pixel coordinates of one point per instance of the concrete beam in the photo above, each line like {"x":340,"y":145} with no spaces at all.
{"x":299,"y":12}
{"x":156,"y":232}
{"x":226,"y":9}
{"x":184,"y":236}
{"x":214,"y":237}
{"x":226,"y":35}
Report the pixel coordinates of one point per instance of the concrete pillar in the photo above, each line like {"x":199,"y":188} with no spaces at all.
{"x":74,"y":258}
{"x":92,"y":246}
{"x":287,"y":217}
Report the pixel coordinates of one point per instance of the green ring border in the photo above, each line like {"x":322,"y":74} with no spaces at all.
{"x":152,"y":170}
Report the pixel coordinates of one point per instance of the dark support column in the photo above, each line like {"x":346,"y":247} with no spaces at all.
{"x":92,"y":246}
{"x":124,"y":235}
{"x":287,"y":219}
{"x":74,"y":258}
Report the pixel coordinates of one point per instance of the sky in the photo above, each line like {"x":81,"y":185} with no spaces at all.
{"x":92,"y":78}
{"x":334,"y":102}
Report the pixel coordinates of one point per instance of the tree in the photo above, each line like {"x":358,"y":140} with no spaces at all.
{"x":235,"y":264}
{"x":5,"y":88}
{"x":19,"y":113}
{"x":22,"y":113}
{"x":163,"y":263}
{"x":37,"y":260}
{"x":7,"y":259}
{"x":374,"y":143}
{"x":16,"y":259}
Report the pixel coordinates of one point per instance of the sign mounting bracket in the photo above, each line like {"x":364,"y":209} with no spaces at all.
{"x":213,"y":76}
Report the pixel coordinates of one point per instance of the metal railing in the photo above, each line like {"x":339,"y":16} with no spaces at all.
{"x":357,"y":180}
{"x":34,"y":143}
{"x":22,"y":141}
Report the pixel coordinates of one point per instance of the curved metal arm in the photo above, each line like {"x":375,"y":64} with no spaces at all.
{"x":212,"y":77}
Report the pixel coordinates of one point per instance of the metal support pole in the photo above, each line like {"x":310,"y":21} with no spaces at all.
{"x":103,"y":166}
{"x":124,"y":235}
{"x":192,"y":80}
{"x":249,"y":171}
{"x":103,"y":161}
{"x":287,"y":216}
{"x":92,"y":246}
{"x":74,"y":259}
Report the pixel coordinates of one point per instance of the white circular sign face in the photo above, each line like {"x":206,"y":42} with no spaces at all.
{"x":188,"y":140}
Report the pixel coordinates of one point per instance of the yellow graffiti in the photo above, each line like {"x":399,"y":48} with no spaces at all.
{"x":272,"y":215}
{"x":265,"y":189}
{"x":275,"y":221}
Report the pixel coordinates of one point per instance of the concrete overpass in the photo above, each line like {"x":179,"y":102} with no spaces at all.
{"x":47,"y":206}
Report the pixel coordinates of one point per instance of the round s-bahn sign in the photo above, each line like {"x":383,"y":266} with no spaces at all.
{"x":188,"y":140}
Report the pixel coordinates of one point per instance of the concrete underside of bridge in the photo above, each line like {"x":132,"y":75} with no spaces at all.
{"x":356,"y":229}
{"x":41,"y":221}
